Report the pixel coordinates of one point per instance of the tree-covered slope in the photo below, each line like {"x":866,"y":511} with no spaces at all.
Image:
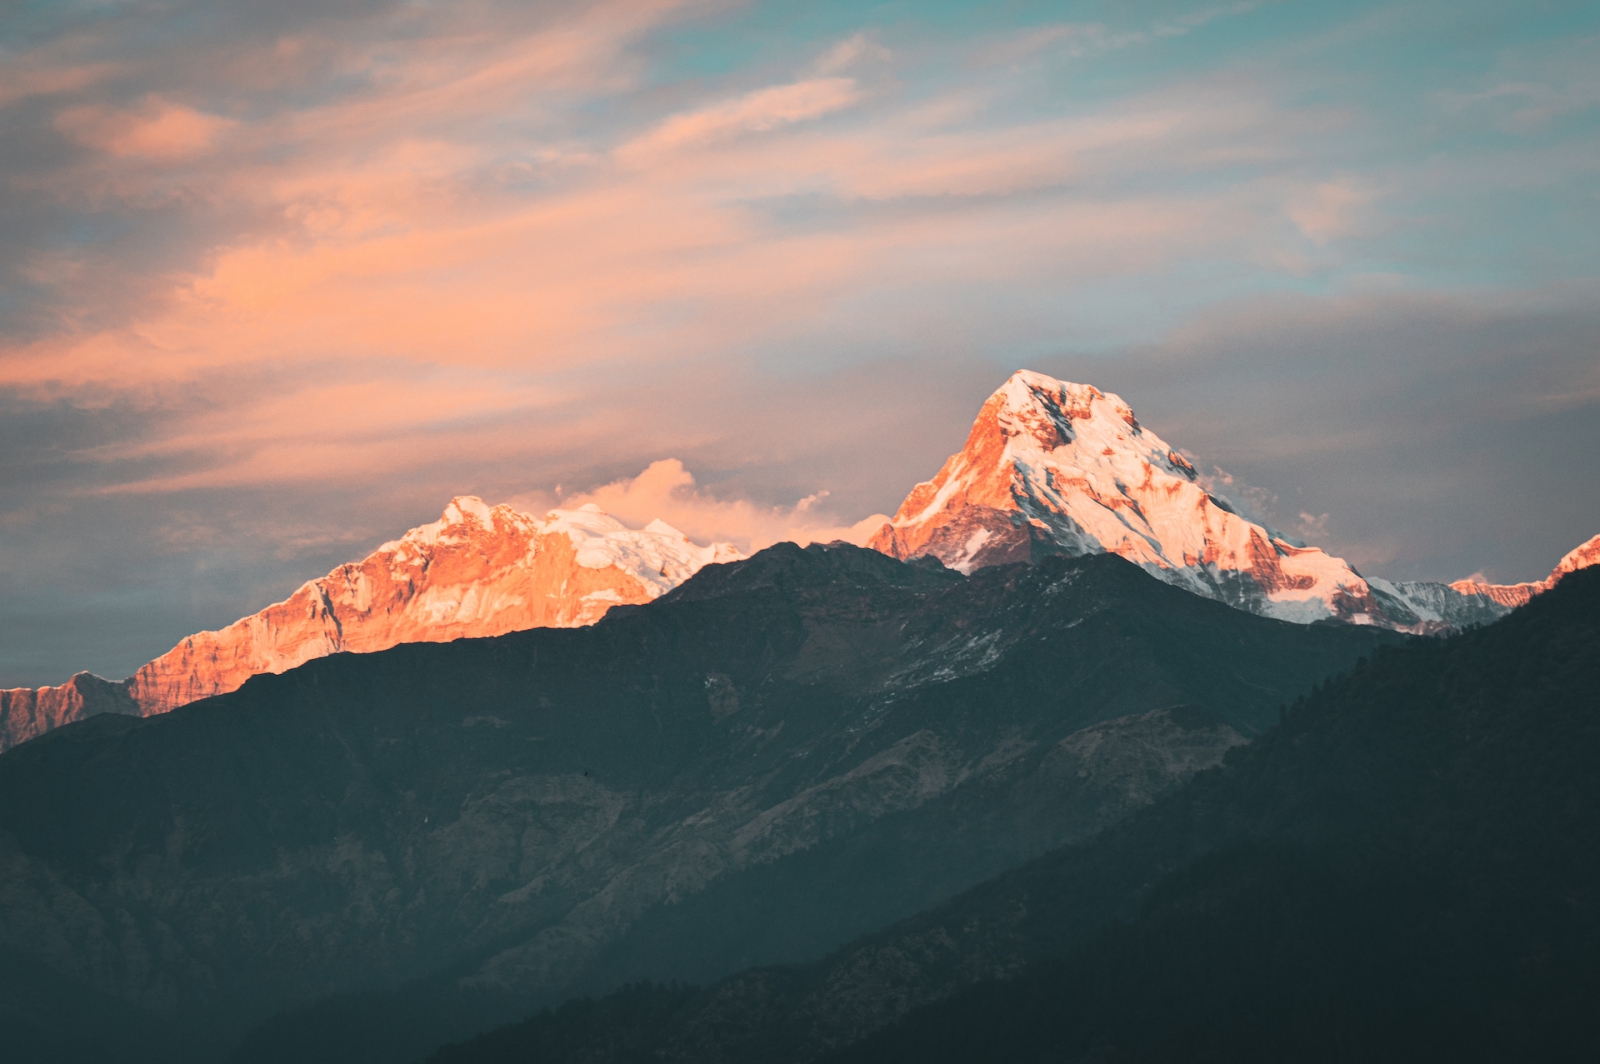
{"x":1408,"y":868}
{"x":1431,"y":892}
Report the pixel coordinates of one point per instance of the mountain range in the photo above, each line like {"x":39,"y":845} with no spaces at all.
{"x":1074,"y":761}
{"x":477,"y":571}
{"x":1049,"y":467}
{"x":825,"y":733}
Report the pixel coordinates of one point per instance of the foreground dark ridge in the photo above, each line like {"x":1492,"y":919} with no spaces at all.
{"x":1408,"y":869}
{"x":828,"y":733}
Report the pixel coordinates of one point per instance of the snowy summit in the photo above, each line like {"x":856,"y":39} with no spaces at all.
{"x":1055,"y":467}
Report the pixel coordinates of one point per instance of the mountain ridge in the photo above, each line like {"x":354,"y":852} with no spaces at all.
{"x":1049,"y":467}
{"x":476,"y":571}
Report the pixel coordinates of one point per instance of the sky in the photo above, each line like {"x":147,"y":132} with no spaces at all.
{"x":279,"y":280}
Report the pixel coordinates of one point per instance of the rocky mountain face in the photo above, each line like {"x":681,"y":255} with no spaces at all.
{"x":477,"y":571}
{"x":1513,"y":595}
{"x":1052,"y":467}
{"x":1407,"y":868}
{"x":1468,"y":602}
{"x":26,"y":712}
{"x":772,"y":759}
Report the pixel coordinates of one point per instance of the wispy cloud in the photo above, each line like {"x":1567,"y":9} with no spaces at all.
{"x":754,"y":112}
{"x":1078,"y":39}
{"x":1531,"y":89}
{"x":855,"y":50}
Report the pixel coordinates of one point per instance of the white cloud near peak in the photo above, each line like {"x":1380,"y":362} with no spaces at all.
{"x":667,"y":491}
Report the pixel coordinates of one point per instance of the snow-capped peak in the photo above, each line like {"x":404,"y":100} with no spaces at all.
{"x":1056,"y":467}
{"x":467,"y":507}
{"x":464,"y":517}
{"x":1052,"y":466}
{"x":658,"y":555}
{"x":1580,"y":557}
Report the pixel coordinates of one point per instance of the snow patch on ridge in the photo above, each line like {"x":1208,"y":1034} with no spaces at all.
{"x":658,"y":555}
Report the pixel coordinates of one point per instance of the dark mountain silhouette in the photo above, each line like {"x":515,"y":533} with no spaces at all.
{"x":780,"y":755}
{"x":1408,"y":868}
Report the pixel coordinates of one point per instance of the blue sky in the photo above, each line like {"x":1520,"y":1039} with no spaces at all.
{"x":276,"y":281}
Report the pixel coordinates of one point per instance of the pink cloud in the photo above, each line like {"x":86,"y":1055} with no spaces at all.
{"x":337,"y":429}
{"x":667,"y":490}
{"x":47,"y":75}
{"x":157,"y":129}
{"x":852,"y":51}
{"x":406,"y":243}
{"x":1326,"y":211}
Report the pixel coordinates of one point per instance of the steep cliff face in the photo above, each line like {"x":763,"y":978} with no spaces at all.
{"x":477,"y":571}
{"x":26,"y":712}
{"x":1052,"y":467}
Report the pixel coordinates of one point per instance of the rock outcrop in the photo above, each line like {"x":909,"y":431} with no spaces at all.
{"x":27,"y":712}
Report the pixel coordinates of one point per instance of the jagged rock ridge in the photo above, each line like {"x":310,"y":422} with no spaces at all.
{"x":1514,"y":595}
{"x":27,"y":712}
{"x":477,"y":571}
{"x":1052,"y":467}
